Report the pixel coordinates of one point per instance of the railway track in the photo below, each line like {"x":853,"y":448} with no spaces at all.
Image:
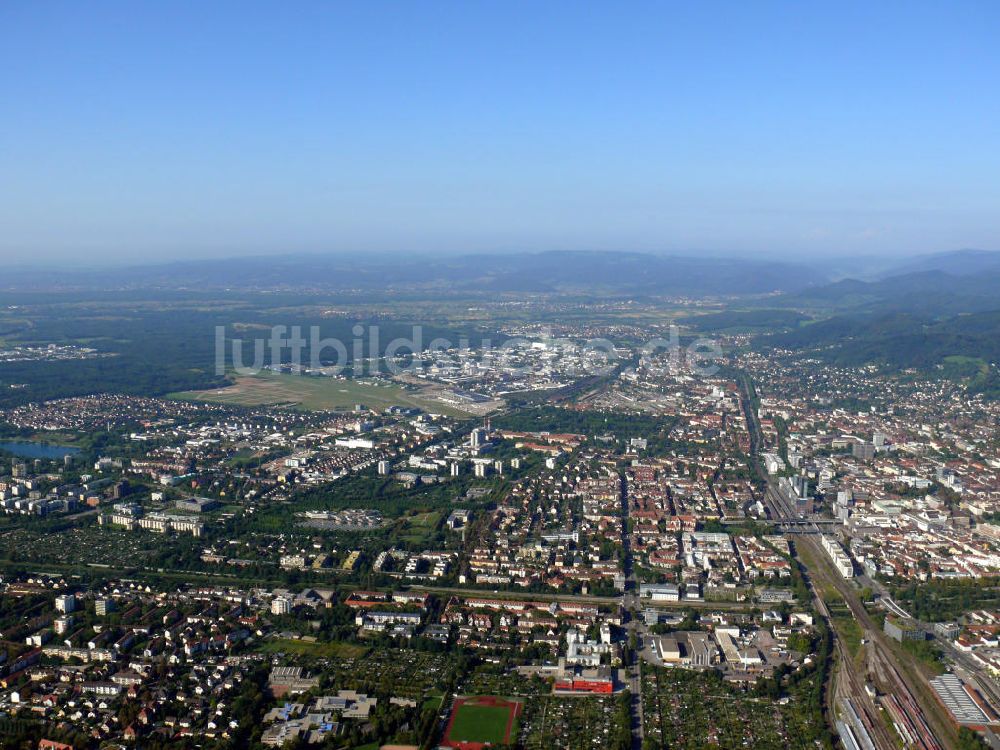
{"x":848,"y":685}
{"x":912,"y":721}
{"x":909,"y":716}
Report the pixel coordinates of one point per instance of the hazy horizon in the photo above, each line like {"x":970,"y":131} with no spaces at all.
{"x":831,"y":267}
{"x":137,"y":133}
{"x":83,"y":264}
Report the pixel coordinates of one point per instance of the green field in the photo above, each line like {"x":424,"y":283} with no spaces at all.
{"x":417,"y":528}
{"x":328,"y":650}
{"x":316,"y":394}
{"x":481,"y":722}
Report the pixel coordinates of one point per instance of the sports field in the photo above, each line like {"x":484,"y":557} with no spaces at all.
{"x":478,"y":721}
{"x":316,"y":394}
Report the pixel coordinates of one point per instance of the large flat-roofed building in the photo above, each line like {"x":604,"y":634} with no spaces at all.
{"x":902,"y":629}
{"x":773,"y":463}
{"x":963,"y":702}
{"x":660,"y":592}
{"x":737,"y":657}
{"x":599,"y":680}
{"x":161,"y":523}
{"x":771,"y":596}
{"x":841,"y":560}
{"x":196,"y":504}
{"x":290,"y":680}
{"x":668,"y":649}
{"x":688,"y":649}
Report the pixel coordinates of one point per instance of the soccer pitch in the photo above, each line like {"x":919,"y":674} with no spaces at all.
{"x":481,"y":720}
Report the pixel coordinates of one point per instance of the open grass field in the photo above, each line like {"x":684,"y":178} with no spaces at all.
{"x":316,"y":394}
{"x":328,"y":650}
{"x":416,"y":529}
{"x":480,"y":720}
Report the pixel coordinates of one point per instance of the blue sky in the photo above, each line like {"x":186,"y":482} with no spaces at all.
{"x":152,"y":130}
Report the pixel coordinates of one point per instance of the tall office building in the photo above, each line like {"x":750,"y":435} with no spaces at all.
{"x":863,"y":450}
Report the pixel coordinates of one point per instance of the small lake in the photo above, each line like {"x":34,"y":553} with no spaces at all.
{"x":38,"y":450}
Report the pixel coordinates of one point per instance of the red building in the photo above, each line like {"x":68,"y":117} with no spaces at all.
{"x":600,"y":685}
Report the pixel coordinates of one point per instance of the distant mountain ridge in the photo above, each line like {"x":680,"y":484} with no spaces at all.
{"x":956,"y":262}
{"x":966,"y":272}
{"x":928,"y":319}
{"x":601,"y":272}
{"x":928,"y":292}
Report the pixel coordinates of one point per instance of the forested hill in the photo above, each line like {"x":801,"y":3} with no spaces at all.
{"x":925,"y":292}
{"x":941,"y":316}
{"x":965,"y":345}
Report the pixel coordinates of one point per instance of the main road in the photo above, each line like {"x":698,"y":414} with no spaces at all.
{"x":629,"y":604}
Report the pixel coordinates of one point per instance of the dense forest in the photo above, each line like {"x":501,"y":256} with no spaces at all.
{"x":744,"y":320}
